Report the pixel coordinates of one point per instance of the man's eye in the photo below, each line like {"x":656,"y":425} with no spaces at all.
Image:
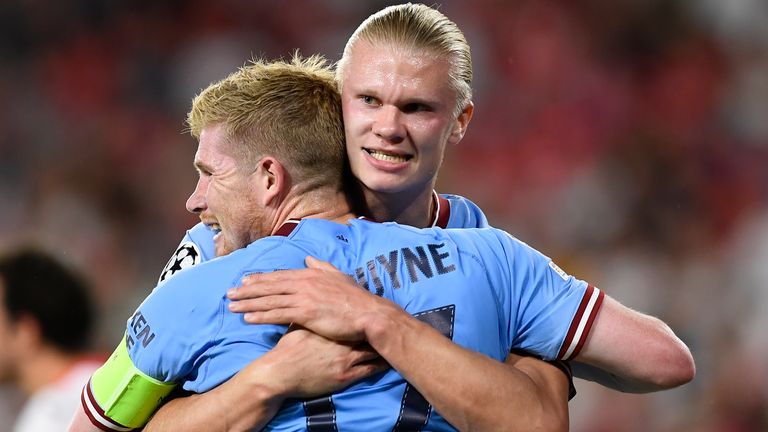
{"x":415,"y":107}
{"x":368,"y":100}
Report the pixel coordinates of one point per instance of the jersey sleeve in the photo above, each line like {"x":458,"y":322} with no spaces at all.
{"x":196,"y":247}
{"x":163,"y":343}
{"x":463,"y":213}
{"x":550,"y":313}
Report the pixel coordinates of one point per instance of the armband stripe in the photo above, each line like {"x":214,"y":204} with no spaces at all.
{"x":121,"y":396}
{"x":96,"y":414}
{"x":581,"y":324}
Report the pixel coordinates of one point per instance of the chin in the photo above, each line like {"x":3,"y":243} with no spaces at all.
{"x":386,"y":186}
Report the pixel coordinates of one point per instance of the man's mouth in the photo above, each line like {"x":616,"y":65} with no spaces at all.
{"x":216,"y":228}
{"x":388,"y":157}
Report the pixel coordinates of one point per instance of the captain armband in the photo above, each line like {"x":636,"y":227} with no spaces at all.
{"x":121,"y":397}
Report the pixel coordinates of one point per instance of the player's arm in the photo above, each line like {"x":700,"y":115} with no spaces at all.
{"x":302,"y":365}
{"x":81,"y":423}
{"x":472,"y":391}
{"x":633,"y":352}
{"x":623,"y":349}
{"x":246,"y":401}
{"x":118,"y":396}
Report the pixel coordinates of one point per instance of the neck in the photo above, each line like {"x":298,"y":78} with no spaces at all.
{"x":414,"y":209}
{"x":43,"y":368}
{"x":323,"y":203}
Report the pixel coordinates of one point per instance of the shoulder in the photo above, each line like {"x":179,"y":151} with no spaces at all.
{"x":494,"y":245}
{"x":198,"y":281}
{"x":190,"y":299}
{"x":464,"y":213}
{"x":197,"y":246}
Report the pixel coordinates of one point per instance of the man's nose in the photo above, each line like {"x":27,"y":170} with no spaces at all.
{"x":388,"y":125}
{"x":196,"y":202}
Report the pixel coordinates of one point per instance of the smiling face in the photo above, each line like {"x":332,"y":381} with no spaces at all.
{"x":224,"y":196}
{"x":399,"y":115}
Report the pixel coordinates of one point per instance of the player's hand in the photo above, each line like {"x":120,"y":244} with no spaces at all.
{"x":320,"y":298}
{"x":309,"y":365}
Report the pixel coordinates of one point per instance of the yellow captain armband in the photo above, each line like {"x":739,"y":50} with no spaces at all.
{"x":124,"y":394}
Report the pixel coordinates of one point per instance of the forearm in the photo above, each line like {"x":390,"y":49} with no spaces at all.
{"x":301,"y":365}
{"x":244,"y":402}
{"x":472,"y":391}
{"x":621,"y":383}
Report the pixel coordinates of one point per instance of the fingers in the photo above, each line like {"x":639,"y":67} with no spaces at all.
{"x":363,"y":353}
{"x":295,"y":327}
{"x":259,"y":304}
{"x":366,"y":369}
{"x":279,"y":316}
{"x":254,"y":288}
{"x":315,"y":263}
{"x":319,"y":273}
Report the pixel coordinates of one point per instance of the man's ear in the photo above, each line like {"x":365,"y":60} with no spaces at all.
{"x":461,"y":123}
{"x":271,"y":180}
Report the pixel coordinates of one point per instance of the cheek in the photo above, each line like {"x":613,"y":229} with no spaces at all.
{"x":430,"y":135}
{"x":211,"y":195}
{"x":356,"y":120}
{"x":218,"y":200}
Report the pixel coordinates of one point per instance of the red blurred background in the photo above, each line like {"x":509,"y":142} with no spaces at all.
{"x":627,"y":139}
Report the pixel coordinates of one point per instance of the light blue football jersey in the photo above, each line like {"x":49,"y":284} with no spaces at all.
{"x":465,"y":283}
{"x":451,"y":211}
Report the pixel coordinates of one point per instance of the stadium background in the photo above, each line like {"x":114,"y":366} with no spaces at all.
{"x":626,"y":139}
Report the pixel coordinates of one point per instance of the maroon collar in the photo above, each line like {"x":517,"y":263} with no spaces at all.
{"x":441,"y":211}
{"x":287,"y":227}
{"x":440,"y":214}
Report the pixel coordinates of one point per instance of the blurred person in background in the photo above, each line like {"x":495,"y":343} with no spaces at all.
{"x":46,"y":318}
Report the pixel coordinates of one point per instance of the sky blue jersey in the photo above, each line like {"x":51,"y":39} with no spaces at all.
{"x":465,"y":283}
{"x":450,"y":211}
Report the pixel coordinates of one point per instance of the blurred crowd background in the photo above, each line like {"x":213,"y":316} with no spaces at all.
{"x":627,"y":139}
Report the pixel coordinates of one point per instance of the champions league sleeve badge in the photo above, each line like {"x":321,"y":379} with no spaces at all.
{"x":187,"y":255}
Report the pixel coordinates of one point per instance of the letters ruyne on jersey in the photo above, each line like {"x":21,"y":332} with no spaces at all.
{"x":419,"y":261}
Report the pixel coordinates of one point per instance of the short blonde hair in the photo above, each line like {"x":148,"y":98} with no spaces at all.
{"x":418,"y":27}
{"x":290,"y":110}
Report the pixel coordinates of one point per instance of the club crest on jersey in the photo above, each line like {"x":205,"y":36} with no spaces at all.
{"x":187,"y":255}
